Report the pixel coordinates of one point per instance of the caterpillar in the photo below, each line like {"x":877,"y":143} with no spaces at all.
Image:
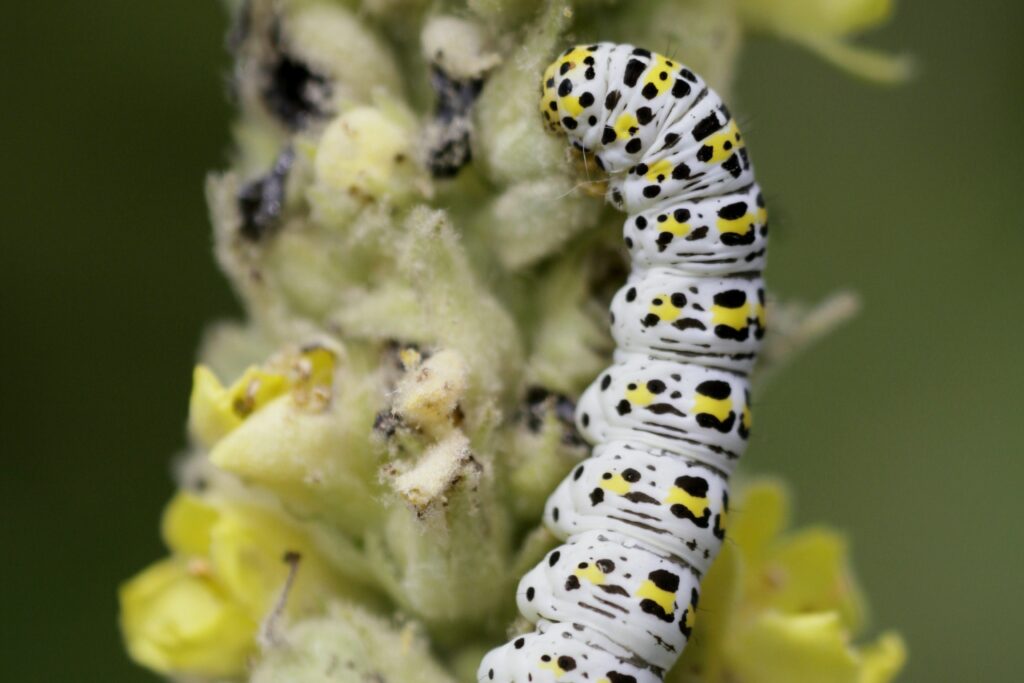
{"x":643,"y":518}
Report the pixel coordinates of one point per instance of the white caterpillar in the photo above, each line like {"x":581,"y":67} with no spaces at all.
{"x":644,"y":516}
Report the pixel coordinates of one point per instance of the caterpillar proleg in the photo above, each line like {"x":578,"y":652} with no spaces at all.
{"x":643,"y":518}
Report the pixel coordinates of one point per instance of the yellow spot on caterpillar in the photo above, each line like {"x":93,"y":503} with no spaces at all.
{"x":664,"y":310}
{"x":696,"y":505}
{"x":735,"y":318}
{"x":719,"y":407}
{"x":625,"y":126}
{"x":574,"y":58}
{"x":740,"y":225}
{"x":747,"y":420}
{"x":723,"y":519}
{"x":591,"y":574}
{"x":553,"y":665}
{"x":616,"y":484}
{"x":665,"y":599}
{"x":639,"y":394}
{"x":659,"y":65}
{"x":675,"y":227}
{"x":571,"y":105}
{"x":659,"y":170}
{"x":761,"y":216}
{"x":724,"y":143}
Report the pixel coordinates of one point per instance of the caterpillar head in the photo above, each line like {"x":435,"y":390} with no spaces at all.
{"x":570,"y":89}
{"x":611,"y":100}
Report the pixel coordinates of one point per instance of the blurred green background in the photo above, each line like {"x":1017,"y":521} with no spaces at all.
{"x":904,"y":428}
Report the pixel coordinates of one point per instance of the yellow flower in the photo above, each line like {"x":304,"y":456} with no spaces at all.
{"x":197,"y":612}
{"x":296,"y":427}
{"x":216,"y":410}
{"x":823,"y":26}
{"x":782,"y":607}
{"x":175,"y":618}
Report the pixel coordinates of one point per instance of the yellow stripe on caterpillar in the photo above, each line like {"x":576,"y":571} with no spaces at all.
{"x":639,"y":394}
{"x":659,"y":74}
{"x":659,"y":170}
{"x":697,"y":505}
{"x":738,"y":226}
{"x":663,"y":598}
{"x":724,"y":143}
{"x":662,"y":307}
{"x":626,"y":125}
{"x":719,"y":407}
{"x":592,"y":574}
{"x":735,"y":318}
{"x":616,"y":484}
{"x":552,"y":665}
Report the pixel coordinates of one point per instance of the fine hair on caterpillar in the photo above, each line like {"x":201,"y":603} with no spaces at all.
{"x":642,"y":519}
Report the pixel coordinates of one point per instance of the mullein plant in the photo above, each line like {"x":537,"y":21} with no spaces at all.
{"x":425,"y":274}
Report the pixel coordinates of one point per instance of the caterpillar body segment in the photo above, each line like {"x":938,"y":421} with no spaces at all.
{"x":716,"y":322}
{"x":643,"y":518}
{"x":558,"y":652}
{"x":710,"y":236}
{"x":687,"y":164}
{"x":669,"y":504}
{"x":602,"y":578}
{"x":690,"y":410}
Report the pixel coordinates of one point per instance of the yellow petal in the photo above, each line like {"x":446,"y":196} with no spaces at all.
{"x":759,"y":514}
{"x":807,"y":572}
{"x":255,"y":389}
{"x":865,"y":62}
{"x":175,"y":621}
{"x":883,"y":659}
{"x":210,"y":415}
{"x":832,"y":17}
{"x":215,"y":410}
{"x":317,"y":462}
{"x":823,"y":25}
{"x":317,"y":364}
{"x":247,"y":550}
{"x":778,"y":648}
{"x":719,"y":596}
{"x":186,"y":525}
